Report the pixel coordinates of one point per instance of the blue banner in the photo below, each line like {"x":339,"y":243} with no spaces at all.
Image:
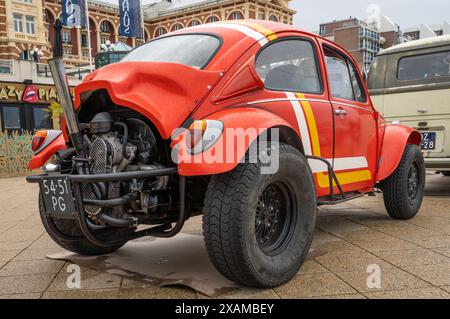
{"x":130,"y":18}
{"x":73,"y":13}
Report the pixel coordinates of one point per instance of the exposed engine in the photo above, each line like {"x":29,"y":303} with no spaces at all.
{"x":124,"y":145}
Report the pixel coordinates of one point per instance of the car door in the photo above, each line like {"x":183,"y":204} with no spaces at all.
{"x":355,"y":127}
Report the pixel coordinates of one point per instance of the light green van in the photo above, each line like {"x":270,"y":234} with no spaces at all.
{"x":410,"y":84}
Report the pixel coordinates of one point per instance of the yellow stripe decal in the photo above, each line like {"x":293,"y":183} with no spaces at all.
{"x":269,"y":34}
{"x":322,"y":179}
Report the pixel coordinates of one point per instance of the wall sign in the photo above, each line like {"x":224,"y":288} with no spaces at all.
{"x":31,"y":93}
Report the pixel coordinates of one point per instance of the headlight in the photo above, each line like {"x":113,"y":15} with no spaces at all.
{"x":203,"y":134}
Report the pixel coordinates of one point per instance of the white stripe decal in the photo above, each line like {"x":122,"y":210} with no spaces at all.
{"x":340,"y":164}
{"x":303,"y":126}
{"x":261,"y":38}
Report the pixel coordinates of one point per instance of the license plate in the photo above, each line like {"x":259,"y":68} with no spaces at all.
{"x":58,"y":196}
{"x":428,"y":141}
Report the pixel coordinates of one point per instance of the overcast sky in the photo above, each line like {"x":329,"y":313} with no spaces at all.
{"x":406,"y":13}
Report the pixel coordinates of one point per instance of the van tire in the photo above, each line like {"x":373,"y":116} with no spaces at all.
{"x":239,"y":239}
{"x":446,"y":173}
{"x":403,"y":191}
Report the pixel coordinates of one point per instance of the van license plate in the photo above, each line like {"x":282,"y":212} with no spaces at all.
{"x":58,"y":197}
{"x":428,"y":141}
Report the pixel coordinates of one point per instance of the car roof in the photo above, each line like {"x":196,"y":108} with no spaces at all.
{"x":257,"y":29}
{"x":418,"y":44}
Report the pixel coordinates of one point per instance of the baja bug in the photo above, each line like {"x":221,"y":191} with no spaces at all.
{"x":170,"y":132}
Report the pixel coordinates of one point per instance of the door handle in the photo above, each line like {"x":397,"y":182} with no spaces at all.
{"x":340,"y":112}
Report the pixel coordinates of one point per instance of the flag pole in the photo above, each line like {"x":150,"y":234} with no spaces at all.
{"x":142,"y":21}
{"x":86,"y":12}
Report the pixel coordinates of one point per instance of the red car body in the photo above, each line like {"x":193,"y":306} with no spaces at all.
{"x":156,"y":143}
{"x":365,"y":149}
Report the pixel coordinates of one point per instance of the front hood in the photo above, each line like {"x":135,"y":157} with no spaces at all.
{"x":166,"y":93}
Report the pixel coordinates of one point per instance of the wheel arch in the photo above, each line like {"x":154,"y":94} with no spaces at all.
{"x":241,"y":118}
{"x":394,"y":142}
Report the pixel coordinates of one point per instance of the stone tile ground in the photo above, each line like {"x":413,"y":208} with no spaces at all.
{"x":414,"y":256}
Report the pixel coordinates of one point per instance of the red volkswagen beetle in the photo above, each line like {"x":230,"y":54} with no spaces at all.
{"x":251,"y":123}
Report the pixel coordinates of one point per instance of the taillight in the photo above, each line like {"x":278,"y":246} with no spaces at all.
{"x":38,"y":140}
{"x":196,"y":131}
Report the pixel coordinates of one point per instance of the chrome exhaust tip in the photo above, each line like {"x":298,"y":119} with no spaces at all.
{"x":65,"y":99}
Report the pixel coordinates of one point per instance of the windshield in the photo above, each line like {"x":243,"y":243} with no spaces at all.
{"x":194,"y":50}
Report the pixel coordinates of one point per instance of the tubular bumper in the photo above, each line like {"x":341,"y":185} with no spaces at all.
{"x":164,"y":231}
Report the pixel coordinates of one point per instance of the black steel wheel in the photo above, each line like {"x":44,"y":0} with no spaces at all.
{"x":275,"y":217}
{"x":258,"y":227}
{"x":403,"y":190}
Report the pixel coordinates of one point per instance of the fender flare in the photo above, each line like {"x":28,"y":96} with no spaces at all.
{"x":43,"y":156}
{"x":236,"y":118}
{"x":395,"y":139}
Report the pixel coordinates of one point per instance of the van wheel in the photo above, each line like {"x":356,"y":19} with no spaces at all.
{"x":258,"y":227}
{"x":446,"y":173}
{"x":70,"y":228}
{"x":403,"y":190}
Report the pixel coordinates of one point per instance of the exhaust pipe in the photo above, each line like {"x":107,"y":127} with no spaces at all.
{"x":62,"y":86}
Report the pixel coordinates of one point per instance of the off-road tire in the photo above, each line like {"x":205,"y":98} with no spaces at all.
{"x":231,"y":205}
{"x":400,"y":204}
{"x":71,"y":228}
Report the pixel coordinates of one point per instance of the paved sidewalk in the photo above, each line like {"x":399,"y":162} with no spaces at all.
{"x":413,"y":256}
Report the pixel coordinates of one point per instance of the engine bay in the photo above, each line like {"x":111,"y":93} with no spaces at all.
{"x":116,"y":143}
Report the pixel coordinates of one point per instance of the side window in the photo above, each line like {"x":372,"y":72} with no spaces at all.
{"x":341,"y":84}
{"x":289,"y":65}
{"x":358,"y":88}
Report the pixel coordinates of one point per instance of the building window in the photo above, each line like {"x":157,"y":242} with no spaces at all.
{"x":29,"y":20}
{"x":41,"y":119}
{"x":103,"y":40}
{"x":235,"y":15}
{"x":85,"y":54}
{"x":27,"y":1}
{"x":67,"y":52}
{"x":160,"y":31}
{"x":177,"y":26}
{"x":212,"y":19}
{"x":193,"y":23}
{"x":18,"y":24}
{"x":11,"y":118}
{"x":104,"y":26}
{"x":261,"y":16}
{"x":323,"y":29}
{"x":289,"y":65}
{"x":84,"y":40}
{"x":273,"y":18}
{"x":19,"y":117}
{"x":65,"y":35}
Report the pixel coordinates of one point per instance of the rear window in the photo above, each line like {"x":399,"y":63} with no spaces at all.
{"x":194,"y":50}
{"x":426,"y":66}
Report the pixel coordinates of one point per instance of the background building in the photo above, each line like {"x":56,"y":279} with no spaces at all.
{"x":29,"y":23}
{"x":29,"y":27}
{"x":427,"y":31}
{"x":360,"y":39}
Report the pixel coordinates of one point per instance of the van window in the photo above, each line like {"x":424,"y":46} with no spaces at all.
{"x":289,"y":65}
{"x":424,"y":66}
